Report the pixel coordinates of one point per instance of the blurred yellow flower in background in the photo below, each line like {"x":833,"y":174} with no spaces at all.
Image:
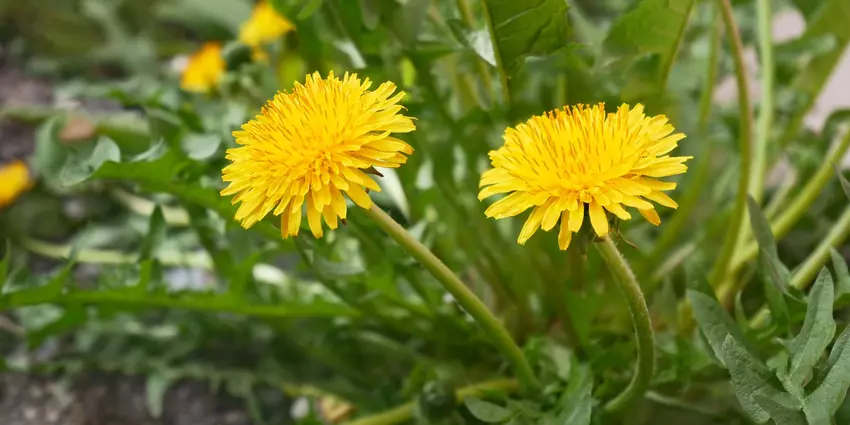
{"x":264,"y":25}
{"x":567,"y":159}
{"x":14,"y":181}
{"x":204,"y":69}
{"x":312,"y":144}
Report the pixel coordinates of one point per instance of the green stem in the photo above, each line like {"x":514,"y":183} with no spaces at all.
{"x":630,"y":288}
{"x":707,"y":96}
{"x":404,"y":412}
{"x":765,"y":118}
{"x":503,"y":74}
{"x":730,"y":243}
{"x":798,"y":207}
{"x":491,"y":326}
{"x":806,"y":273}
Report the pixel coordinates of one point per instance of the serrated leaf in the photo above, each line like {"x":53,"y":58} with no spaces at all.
{"x":73,"y":316}
{"x":817,"y":332}
{"x":828,"y":396}
{"x":782,"y":408}
{"x":44,"y":293}
{"x":486,"y":411}
{"x":477,"y":41}
{"x":749,"y":377}
{"x":577,"y":404}
{"x":525,"y":28}
{"x":159,"y":175}
{"x":156,"y":386}
{"x":714,"y":322}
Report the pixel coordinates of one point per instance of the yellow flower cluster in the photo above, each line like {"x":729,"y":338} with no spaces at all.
{"x":311,"y":145}
{"x":206,"y":66}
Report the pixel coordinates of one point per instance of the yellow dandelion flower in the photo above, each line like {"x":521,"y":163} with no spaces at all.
{"x":264,"y":25}
{"x":14,"y":181}
{"x":204,"y":70}
{"x":567,"y":159}
{"x":312,"y":144}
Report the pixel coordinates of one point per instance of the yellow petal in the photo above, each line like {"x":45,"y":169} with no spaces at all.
{"x":661,"y":198}
{"x":314,"y":218}
{"x":651,"y":216}
{"x":576,"y":218}
{"x":359,"y":196}
{"x":531,"y":225}
{"x":564,"y":234}
{"x":618,"y":210}
{"x":598,"y":219}
{"x":330,"y":216}
{"x":552,"y":211}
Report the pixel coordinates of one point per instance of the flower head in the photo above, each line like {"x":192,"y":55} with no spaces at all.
{"x":14,"y":181}
{"x":204,"y":70}
{"x":580,"y":158}
{"x":312,"y":144}
{"x":264,"y":25}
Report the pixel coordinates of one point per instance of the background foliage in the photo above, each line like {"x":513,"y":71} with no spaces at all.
{"x":124,"y":258}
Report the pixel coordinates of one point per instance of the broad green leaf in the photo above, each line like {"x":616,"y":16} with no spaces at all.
{"x":749,"y":377}
{"x":817,"y":332}
{"x":714,"y":322}
{"x":842,"y":279}
{"x":653,"y":29}
{"x":833,"y":388}
{"x":79,"y":167}
{"x":782,"y":408}
{"x":157,"y":231}
{"x":486,"y":411}
{"x":200,"y":146}
{"x":477,"y":41}
{"x":525,"y":28}
{"x":309,"y":9}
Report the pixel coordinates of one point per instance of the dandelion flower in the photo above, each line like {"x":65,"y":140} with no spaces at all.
{"x":14,"y":181}
{"x":581,"y":161}
{"x":264,"y":25}
{"x":204,"y":69}
{"x":311,"y":145}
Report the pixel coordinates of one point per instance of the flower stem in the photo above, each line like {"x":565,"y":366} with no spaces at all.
{"x":404,"y":412}
{"x":730,"y":243}
{"x":765,"y":118}
{"x":630,"y":288}
{"x":464,"y":296}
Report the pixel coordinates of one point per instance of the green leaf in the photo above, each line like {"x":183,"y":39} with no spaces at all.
{"x":749,"y":377}
{"x":523,"y":28}
{"x":653,"y":29}
{"x":761,"y":228}
{"x":155,"y":388}
{"x":782,"y":408}
{"x":74,"y":316}
{"x":81,"y":166}
{"x":845,"y":185}
{"x":576,"y":405}
{"x":160,"y":175}
{"x":714,"y":322}
{"x":4,"y":265}
{"x":833,"y":388}
{"x":817,"y":332}
{"x":200,"y":146}
{"x":842,"y":279}
{"x":309,"y":9}
{"x":40,"y":294}
{"x":477,"y":41}
{"x":486,"y":411}
{"x":157,"y":231}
